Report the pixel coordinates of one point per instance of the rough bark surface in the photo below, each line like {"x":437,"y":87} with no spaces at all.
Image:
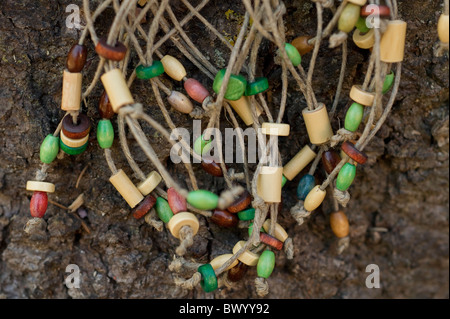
{"x":403,"y":188}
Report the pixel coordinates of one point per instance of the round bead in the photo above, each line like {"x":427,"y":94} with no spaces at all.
{"x":38,"y":204}
{"x":353,"y":117}
{"x":375,"y":10}
{"x":345,"y":177}
{"x":247,"y":257}
{"x":352,"y":152}
{"x":183,"y":219}
{"x":36,"y":186}
{"x":392,"y":44}
{"x":237,"y":272}
{"x":276,"y":129}
{"x":177,"y":202}
{"x":163,"y":210}
{"x":364,"y":41}
{"x":73,"y":143}
{"x":266,"y":264}
{"x":248,"y":214}
{"x":298,"y":162}
{"x":76,"y":131}
{"x":105,"y":109}
{"x":180,"y":102}
{"x":302,"y":45}
{"x":211,"y":167}
{"x":149,"y":72}
{"x":330,"y":159}
{"x":293,"y":54}
{"x":250,"y":229}
{"x":105,"y":133}
{"x":279,"y":232}
{"x":318,"y":124}
{"x":361,"y":25}
{"x":349,"y":17}
{"x":314,"y":198}
{"x":217,"y":262}
{"x":224,"y":218}
{"x":360,"y":96}
{"x":196,"y":90}
{"x":258,"y":86}
{"x":306,"y":184}
{"x":49,"y":149}
{"x":72,"y":150}
{"x":76,"y":59}
{"x":270,"y":241}
{"x":109,"y":52}
{"x":201,"y":146}
{"x":150,"y":183}
{"x":203,"y":199}
{"x":443,"y":28}
{"x":241,"y":203}
{"x":209,"y":279}
{"x":339,"y":224}
{"x":236,"y":85}
{"x":388,"y":82}
{"x":173,"y":68}
{"x":143,"y":207}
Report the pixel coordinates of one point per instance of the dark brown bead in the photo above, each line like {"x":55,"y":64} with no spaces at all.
{"x":76,"y":59}
{"x":224,"y":218}
{"x":330,"y":159}
{"x":109,"y":52}
{"x":76,"y":131}
{"x":144,"y":207}
{"x":241,"y":203}
{"x":352,"y":152}
{"x":104,"y":107}
{"x":302,"y":45}
{"x":237,"y":272}
{"x":211,"y":167}
{"x":271,"y":241}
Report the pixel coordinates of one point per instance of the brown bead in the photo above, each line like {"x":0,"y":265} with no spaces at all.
{"x":356,"y":155}
{"x":176,"y":202}
{"x":237,"y":272}
{"x":271,"y":241}
{"x":241,"y":203}
{"x":76,"y":131}
{"x":330,"y":159}
{"x":144,"y":207}
{"x":104,"y":107}
{"x":76,"y":59}
{"x":211,"y":167}
{"x":113,"y":53}
{"x":339,"y":224}
{"x":180,"y":102}
{"x":302,"y":45}
{"x":381,"y":11}
{"x":224,"y":218}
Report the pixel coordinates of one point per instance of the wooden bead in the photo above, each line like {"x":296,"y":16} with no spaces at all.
{"x":345,"y":177}
{"x":247,"y":257}
{"x":242,"y":108}
{"x":361,"y":25}
{"x":339,"y":224}
{"x":211,"y":167}
{"x":126,"y":188}
{"x":109,"y":52}
{"x":269,"y":184}
{"x":353,"y":117}
{"x":250,"y":230}
{"x":330,"y":159}
{"x":149,"y":72}
{"x":364,"y":41}
{"x":177,"y":202}
{"x":49,"y":149}
{"x":270,"y":241}
{"x":283,"y":181}
{"x":236,"y":87}
{"x":248,"y":214}
{"x":76,"y":131}
{"x":443,"y":28}
{"x":293,"y":54}
{"x":352,"y":152}
{"x":302,"y":45}
{"x":180,"y":102}
{"x":298,"y":162}
{"x":150,"y":183}
{"x":362,"y":97}
{"x":71,"y":91}
{"x":144,"y":207}
{"x":237,"y":272}
{"x":224,"y":218}
{"x":38,"y":204}
{"x":209,"y":279}
{"x":266,"y":264}
{"x":258,"y":86}
{"x":202,"y":146}
{"x":36,"y":186}
{"x":279,"y":232}
{"x":163,"y":209}
{"x":72,"y":150}
{"x":196,"y":90}
{"x":217,"y":262}
{"x":117,"y":89}
{"x":173,"y":68}
{"x":305,"y":185}
{"x":358,"y":2}
{"x":76,"y":59}
{"x":105,"y":109}
{"x":375,"y":10}
{"x":314,"y":198}
{"x":277,"y":129}
{"x":183,"y":219}
{"x":105,"y":133}
{"x":349,"y":17}
{"x":240,"y":203}
{"x":142,"y":3}
{"x":392,"y":44}
{"x":388,"y":82}
{"x":318,"y":124}
{"x":74,"y":143}
{"x":203,"y":199}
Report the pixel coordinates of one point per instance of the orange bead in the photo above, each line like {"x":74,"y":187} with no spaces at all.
{"x":339,"y":224}
{"x":302,"y":45}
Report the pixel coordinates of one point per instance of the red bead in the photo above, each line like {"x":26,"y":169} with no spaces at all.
{"x":109,"y":52}
{"x":237,"y":272}
{"x":196,"y":90}
{"x":104,"y":107}
{"x":76,"y":59}
{"x":271,"y":241}
{"x":241,"y":203}
{"x":144,"y":207}
{"x":330,"y":159}
{"x":176,"y":202}
{"x":375,"y":10}
{"x":211,"y":167}
{"x":38,"y":204}
{"x":224,"y":218}
{"x":352,"y":152}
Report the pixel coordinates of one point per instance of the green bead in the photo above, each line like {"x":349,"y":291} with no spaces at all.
{"x":266,"y":264}
{"x":349,"y":17}
{"x":388,"y":81}
{"x":259,"y":86}
{"x":201,"y":146}
{"x":250,"y":229}
{"x":293,"y":54}
{"x":345,"y":177}
{"x":163,"y":210}
{"x":361,"y":25}
{"x":149,"y":72}
{"x":209,"y":278}
{"x":203,"y":199}
{"x":247,"y":214}
{"x":283,"y":181}
{"x":72,"y":150}
{"x":236,"y":85}
{"x":49,"y":149}
{"x":353,"y":117}
{"x":105,"y":133}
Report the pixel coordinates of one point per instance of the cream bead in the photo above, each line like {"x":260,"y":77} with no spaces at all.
{"x":117,"y":89}
{"x":126,"y":188}
{"x":269,"y":184}
{"x":242,"y":108}
{"x":362,"y":97}
{"x":314,"y":199}
{"x":71,"y":91}
{"x":247,"y":257}
{"x":150,"y":183}
{"x":279,"y":231}
{"x":443,"y":25}
{"x":392,"y":44}
{"x":36,"y":186}
{"x":70,"y":142}
{"x":318,"y":124}
{"x":173,"y":68}
{"x":277,"y":129}
{"x":298,"y":162}
{"x":183,"y":219}
{"x":364,"y":41}
{"x":217,"y":262}
{"x":358,"y":2}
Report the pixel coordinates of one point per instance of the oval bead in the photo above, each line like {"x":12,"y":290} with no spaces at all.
{"x":176,"y":202}
{"x":201,"y":146}
{"x":38,"y":204}
{"x":163,"y":210}
{"x":353,"y":117}
{"x":388,"y":82}
{"x":339,"y":224}
{"x":224,"y":218}
{"x":349,"y":17}
{"x":149,"y":72}
{"x":141,"y":209}
{"x":236,"y":85}
{"x":203,"y":199}
{"x":443,"y":28}
{"x":314,"y":198}
{"x":105,"y":109}
{"x":76,"y":59}
{"x":196,"y":90}
{"x":345,"y":177}
{"x":237,"y":272}
{"x":248,"y":214}
{"x":283,"y":181}
{"x":211,"y":167}
{"x":173,"y":68}
{"x":361,"y":25}
{"x":293,"y":54}
{"x":279,"y":232}
{"x":105,"y":133}
{"x":302,"y":45}
{"x":271,"y":241}
{"x":49,"y":149}
{"x":241,"y":203}
{"x":180,"y":102}
{"x":258,"y":86}
{"x":306,"y":184}
{"x":266,"y":264}
{"x":209,"y":279}
{"x":330,"y":159}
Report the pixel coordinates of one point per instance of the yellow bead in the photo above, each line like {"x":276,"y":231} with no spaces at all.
{"x":314,"y":198}
{"x":173,"y":68}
